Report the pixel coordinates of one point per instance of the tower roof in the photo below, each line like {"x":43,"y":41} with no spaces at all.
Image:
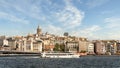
{"x":38,"y":27}
{"x":39,"y":30}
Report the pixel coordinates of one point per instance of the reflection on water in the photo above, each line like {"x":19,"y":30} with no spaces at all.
{"x":82,"y":62}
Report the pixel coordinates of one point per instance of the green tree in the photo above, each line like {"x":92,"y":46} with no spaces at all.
{"x":56,"y":48}
{"x":59,"y":47}
{"x":83,"y":51}
{"x":62,"y":47}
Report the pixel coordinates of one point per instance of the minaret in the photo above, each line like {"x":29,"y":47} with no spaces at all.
{"x":39,"y":31}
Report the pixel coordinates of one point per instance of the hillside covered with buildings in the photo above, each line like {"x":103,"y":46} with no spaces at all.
{"x":45,"y":42}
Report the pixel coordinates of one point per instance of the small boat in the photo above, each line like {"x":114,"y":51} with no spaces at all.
{"x":59,"y":55}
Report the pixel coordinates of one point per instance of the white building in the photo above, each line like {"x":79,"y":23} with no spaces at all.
{"x":72,"y":46}
{"x":37,"y":46}
{"x":3,"y":42}
{"x":90,"y":48}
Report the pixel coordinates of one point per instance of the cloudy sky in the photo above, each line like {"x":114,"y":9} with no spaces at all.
{"x":94,"y":19}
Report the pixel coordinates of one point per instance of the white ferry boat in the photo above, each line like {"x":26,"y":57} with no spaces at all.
{"x":59,"y":55}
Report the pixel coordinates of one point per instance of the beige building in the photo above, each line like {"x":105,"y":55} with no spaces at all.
{"x":21,"y":45}
{"x":3,"y":42}
{"x":111,"y":46}
{"x":72,"y":46}
{"x":37,"y":46}
{"x":29,"y":45}
{"x":83,"y":45}
{"x":99,"y":47}
{"x":12,"y":43}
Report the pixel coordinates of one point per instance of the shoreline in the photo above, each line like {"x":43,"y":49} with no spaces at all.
{"x":32,"y":55}
{"x":18,"y":55}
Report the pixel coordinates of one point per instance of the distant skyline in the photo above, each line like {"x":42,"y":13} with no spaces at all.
{"x":94,"y":19}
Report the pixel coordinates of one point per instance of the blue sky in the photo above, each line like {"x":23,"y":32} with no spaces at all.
{"x":94,"y":19}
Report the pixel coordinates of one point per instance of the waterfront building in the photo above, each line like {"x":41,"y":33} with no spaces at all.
{"x":110,"y":46}
{"x":29,"y":45}
{"x":18,"y":40}
{"x":12,"y":43}
{"x":39,"y":42}
{"x":90,"y":48}
{"x":72,"y":46}
{"x":49,"y":48}
{"x":2,"y":37}
{"x":3,"y":42}
{"x":23,"y":44}
{"x":115,"y":47}
{"x":99,"y":47}
{"x":118,"y":47}
{"x":46,"y":41}
{"x":83,"y":45}
{"x":37,"y":46}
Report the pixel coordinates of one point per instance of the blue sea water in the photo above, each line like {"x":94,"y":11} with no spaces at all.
{"x":82,"y":62}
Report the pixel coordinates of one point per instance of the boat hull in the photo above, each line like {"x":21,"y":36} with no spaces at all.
{"x":59,"y":55}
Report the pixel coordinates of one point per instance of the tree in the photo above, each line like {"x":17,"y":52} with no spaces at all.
{"x":56,"y":48}
{"x":62,"y":47}
{"x":83,"y":51}
{"x":59,"y":47}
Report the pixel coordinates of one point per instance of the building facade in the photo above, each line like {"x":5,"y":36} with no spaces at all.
{"x":90,"y":48}
{"x":83,"y":46}
{"x":72,"y":46}
{"x":99,"y":47}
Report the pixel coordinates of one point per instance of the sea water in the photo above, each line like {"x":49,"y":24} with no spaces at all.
{"x":82,"y":62}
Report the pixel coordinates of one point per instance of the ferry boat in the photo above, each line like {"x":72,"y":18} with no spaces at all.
{"x":59,"y":55}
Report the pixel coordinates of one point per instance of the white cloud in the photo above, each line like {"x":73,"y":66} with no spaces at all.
{"x":87,"y":32}
{"x":13,"y":18}
{"x":53,"y":29}
{"x":95,"y":3}
{"x":112,"y":22}
{"x":112,"y":25}
{"x":93,"y":28}
{"x":70,"y":16}
{"x":113,"y":35}
{"x":26,"y":8}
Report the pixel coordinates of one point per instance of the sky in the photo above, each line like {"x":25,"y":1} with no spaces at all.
{"x":93,"y":19}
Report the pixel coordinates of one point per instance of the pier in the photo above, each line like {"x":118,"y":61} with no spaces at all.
{"x":18,"y":52}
